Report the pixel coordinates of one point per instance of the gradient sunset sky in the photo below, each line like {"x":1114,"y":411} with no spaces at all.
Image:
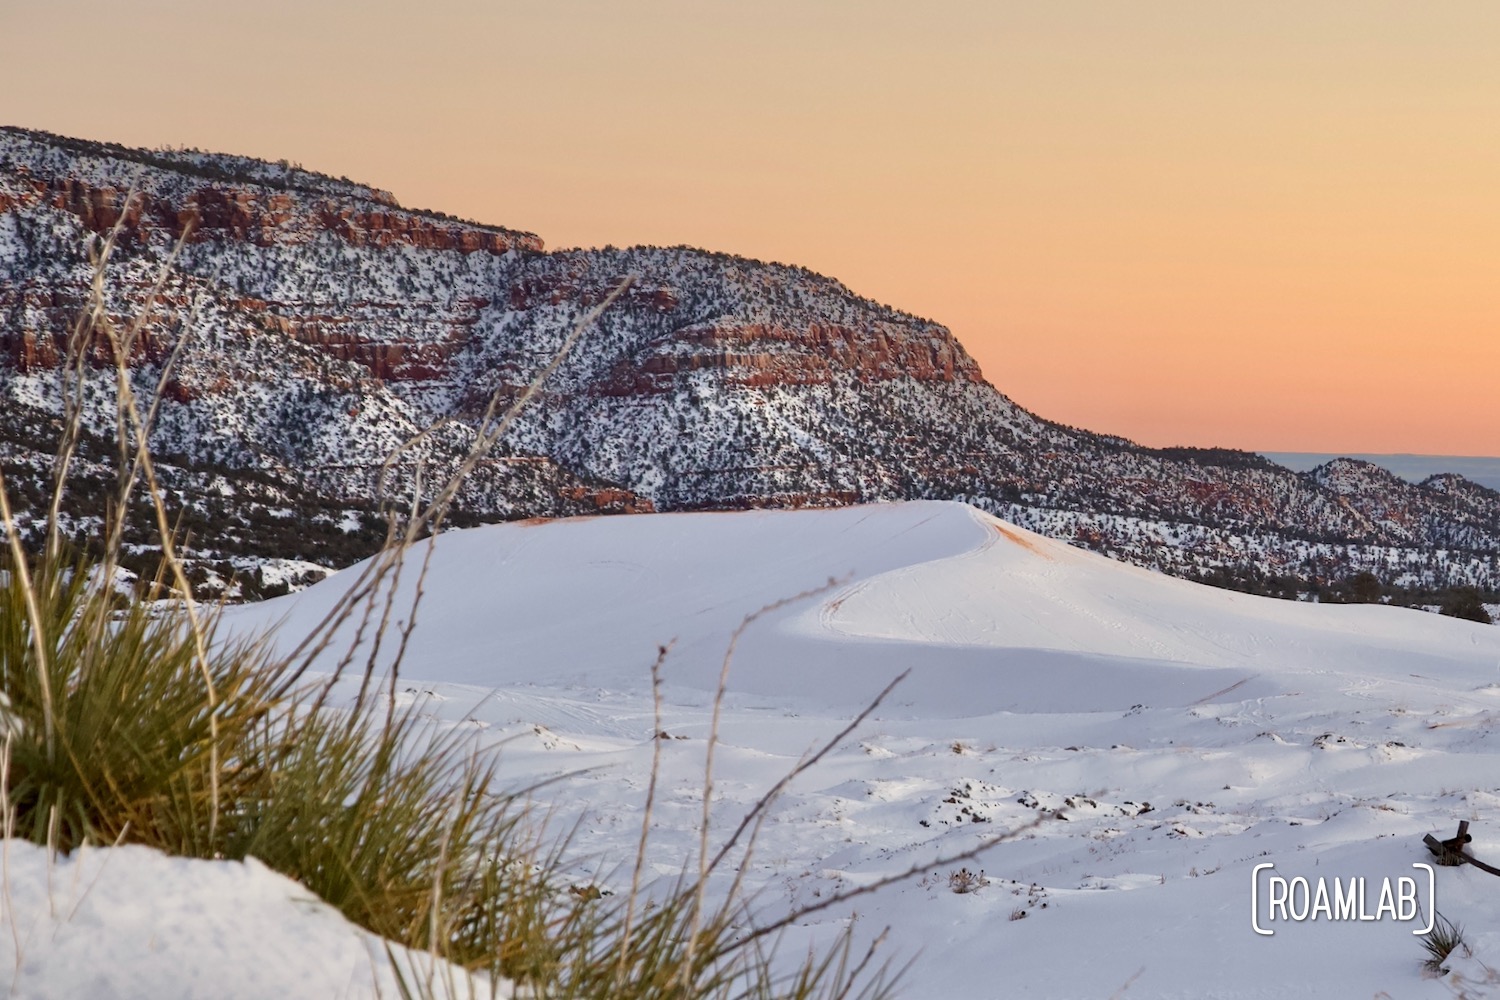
{"x":1259,"y":224}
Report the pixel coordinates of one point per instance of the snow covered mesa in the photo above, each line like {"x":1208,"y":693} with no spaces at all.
{"x":329,"y":324}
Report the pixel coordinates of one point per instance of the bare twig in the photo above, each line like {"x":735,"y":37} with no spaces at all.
{"x":373,"y":659}
{"x":704,"y":866}
{"x":76,"y":361}
{"x":640,"y":851}
{"x":33,"y":615}
{"x":429,"y":519}
{"x":133,"y":461}
{"x":942,"y":861}
{"x":759,"y":811}
{"x":133,"y":426}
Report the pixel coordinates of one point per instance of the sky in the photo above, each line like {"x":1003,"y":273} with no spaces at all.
{"x":1269,"y":225}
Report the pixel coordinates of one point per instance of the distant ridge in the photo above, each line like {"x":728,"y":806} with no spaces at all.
{"x":1413,"y":468}
{"x":332,"y":325}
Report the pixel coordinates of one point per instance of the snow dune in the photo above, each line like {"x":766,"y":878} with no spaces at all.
{"x":990,"y":617}
{"x":1186,"y":733}
{"x":1183,"y":734}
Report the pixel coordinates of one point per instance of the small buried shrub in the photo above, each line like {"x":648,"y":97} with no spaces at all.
{"x":1443,"y":940}
{"x":965,"y":881}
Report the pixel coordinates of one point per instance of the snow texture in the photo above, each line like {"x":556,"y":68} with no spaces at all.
{"x":130,"y":922}
{"x":1163,"y":737}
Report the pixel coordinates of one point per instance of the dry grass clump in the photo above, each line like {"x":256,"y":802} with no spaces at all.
{"x":113,"y":727}
{"x":964,"y":881}
{"x":1443,"y":940}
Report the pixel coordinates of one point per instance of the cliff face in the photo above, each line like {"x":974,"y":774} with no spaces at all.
{"x":327,"y":325}
{"x":259,"y":227}
{"x":302,"y":300}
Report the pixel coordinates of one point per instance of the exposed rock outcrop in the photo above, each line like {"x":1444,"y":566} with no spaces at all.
{"x":329,"y":326}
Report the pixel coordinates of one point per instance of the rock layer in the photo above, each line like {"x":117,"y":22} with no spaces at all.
{"x":328,"y":325}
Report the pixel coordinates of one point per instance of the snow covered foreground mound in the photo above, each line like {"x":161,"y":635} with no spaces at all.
{"x":1184,"y":734}
{"x":130,"y":922}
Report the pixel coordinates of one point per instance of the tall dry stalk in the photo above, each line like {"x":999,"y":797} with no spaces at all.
{"x":383,"y":570}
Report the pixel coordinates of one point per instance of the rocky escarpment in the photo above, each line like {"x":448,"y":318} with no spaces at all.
{"x":762,"y":384}
{"x":291,"y":248}
{"x":299,"y":298}
{"x":325,"y":326}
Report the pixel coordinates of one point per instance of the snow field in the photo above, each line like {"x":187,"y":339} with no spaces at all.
{"x":1133,"y":744}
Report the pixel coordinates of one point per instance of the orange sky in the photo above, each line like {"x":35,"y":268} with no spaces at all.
{"x":1268,"y":225}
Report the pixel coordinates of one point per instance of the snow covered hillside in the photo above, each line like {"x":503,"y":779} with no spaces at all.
{"x":1151,"y":740}
{"x":322,"y":325}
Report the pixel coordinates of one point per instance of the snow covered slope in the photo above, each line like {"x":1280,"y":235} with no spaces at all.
{"x":330,"y":325}
{"x":1182,"y":735}
{"x":130,"y":922}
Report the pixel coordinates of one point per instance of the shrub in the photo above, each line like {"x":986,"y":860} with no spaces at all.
{"x":964,"y":881}
{"x":1467,"y":603}
{"x":115,"y":725}
{"x":1365,"y":588}
{"x":1444,"y":939}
